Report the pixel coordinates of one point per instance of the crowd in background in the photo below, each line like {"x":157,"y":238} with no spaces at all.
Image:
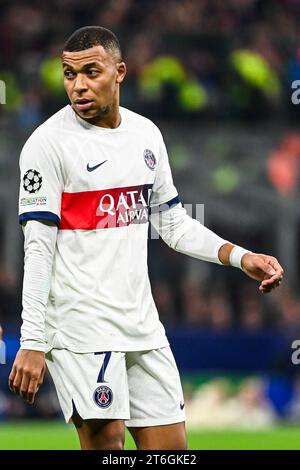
{"x":205,"y":58}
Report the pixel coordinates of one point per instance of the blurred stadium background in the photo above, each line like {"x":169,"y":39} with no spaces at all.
{"x":217,"y":78}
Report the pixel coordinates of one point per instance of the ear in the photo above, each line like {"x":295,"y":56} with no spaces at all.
{"x":121,"y":72}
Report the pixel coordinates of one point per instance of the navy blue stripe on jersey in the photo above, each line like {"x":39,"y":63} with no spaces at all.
{"x":39,"y":215}
{"x":106,"y":359}
{"x":165,"y":206}
{"x":74,"y":412}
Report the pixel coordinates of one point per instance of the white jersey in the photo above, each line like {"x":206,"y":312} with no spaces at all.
{"x":97,"y":185}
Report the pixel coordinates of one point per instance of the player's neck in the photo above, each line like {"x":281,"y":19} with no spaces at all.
{"x":111,"y":119}
{"x":110,"y":122}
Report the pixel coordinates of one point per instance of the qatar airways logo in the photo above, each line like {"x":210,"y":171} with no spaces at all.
{"x":120,"y":207}
{"x":106,"y":208}
{"x":123,"y":206}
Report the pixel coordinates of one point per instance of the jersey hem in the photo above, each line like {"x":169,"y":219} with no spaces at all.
{"x":111,"y":347}
{"x":95,"y":415}
{"x":145,"y":422}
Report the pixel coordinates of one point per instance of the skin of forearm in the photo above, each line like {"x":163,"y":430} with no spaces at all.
{"x":224,"y":253}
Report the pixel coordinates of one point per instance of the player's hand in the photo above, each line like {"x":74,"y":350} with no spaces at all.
{"x":263,"y":268}
{"x":27,"y":373}
{"x":1,"y":333}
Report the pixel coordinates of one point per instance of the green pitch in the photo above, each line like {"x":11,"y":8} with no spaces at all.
{"x":57,"y":435}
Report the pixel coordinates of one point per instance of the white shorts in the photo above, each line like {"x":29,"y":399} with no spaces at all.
{"x":143,"y":388}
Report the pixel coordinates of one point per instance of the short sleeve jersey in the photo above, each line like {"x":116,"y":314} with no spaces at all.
{"x":97,"y":184}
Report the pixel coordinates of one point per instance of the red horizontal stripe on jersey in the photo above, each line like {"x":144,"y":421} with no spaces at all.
{"x":107,"y":208}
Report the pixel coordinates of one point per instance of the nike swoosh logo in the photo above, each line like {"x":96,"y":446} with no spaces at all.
{"x":181,"y":406}
{"x":92,"y":168}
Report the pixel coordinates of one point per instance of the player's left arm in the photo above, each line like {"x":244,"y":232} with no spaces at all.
{"x":188,"y":236}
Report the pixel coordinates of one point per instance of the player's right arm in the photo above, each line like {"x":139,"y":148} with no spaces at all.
{"x":29,"y":366}
{"x":27,"y":374}
{"x":39,"y":213}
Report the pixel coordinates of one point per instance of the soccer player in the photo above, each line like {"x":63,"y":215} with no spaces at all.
{"x":91,"y":178}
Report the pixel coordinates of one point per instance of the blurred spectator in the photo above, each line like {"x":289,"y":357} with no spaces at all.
{"x":220,"y":310}
{"x":164,"y":299}
{"x":250,"y":408}
{"x":205,"y":408}
{"x":293,"y":408}
{"x":201,"y":34}
{"x":251,"y":315}
{"x":214,"y":406}
{"x":194,"y":303}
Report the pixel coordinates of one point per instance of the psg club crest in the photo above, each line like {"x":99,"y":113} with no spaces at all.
{"x":150,"y":159}
{"x":103,"y":396}
{"x":32,"y":181}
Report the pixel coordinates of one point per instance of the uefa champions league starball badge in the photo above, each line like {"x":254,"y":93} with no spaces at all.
{"x":32,"y":181}
{"x":103,"y":396}
{"x":150,"y":159}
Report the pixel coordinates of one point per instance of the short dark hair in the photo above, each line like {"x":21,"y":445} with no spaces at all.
{"x":90,"y":36}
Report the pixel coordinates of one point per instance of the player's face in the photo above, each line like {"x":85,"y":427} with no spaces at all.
{"x":91,"y":80}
